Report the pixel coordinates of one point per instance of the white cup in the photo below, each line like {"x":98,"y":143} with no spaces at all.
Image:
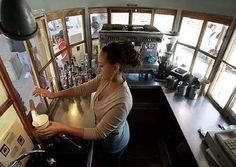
{"x":41,"y":121}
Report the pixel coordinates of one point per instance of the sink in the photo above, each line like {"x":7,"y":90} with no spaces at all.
{"x":68,"y":152}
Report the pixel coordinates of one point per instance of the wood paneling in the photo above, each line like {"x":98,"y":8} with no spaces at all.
{"x":14,"y":98}
{"x":209,"y":17}
{"x":63,"y":13}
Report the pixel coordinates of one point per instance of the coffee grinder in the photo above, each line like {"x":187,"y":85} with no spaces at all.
{"x":166,"y":57}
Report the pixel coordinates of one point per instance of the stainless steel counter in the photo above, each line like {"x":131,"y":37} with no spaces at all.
{"x":74,"y":112}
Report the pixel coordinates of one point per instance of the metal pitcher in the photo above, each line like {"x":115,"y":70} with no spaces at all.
{"x":193,"y":92}
{"x":172,"y":83}
{"x":181,"y":88}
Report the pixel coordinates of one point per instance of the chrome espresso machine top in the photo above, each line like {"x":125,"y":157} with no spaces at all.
{"x":144,"y":37}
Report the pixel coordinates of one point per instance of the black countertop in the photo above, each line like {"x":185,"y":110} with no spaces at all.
{"x":190,"y":115}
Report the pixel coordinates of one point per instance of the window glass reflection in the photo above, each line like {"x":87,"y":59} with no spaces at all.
{"x":190,"y":27}
{"x":234,"y":108}
{"x":141,"y":18}
{"x":40,"y":48}
{"x":163,"y":22}
{"x":78,"y":56}
{"x":97,"y":20}
{"x":203,"y":65}
{"x":95,"y":49}
{"x":221,"y":90}
{"x":57,"y":35}
{"x":183,"y":56}
{"x":213,"y":38}
{"x":79,"y":53}
{"x":77,"y":70}
{"x":75,"y":28}
{"x":48,"y":79}
{"x":17,"y":63}
{"x":119,"y":18}
{"x":230,"y":54}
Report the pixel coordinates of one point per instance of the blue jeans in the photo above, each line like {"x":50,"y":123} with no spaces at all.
{"x":109,"y":159}
{"x":113,"y":159}
{"x":24,"y":61}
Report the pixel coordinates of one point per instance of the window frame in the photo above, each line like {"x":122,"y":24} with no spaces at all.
{"x":227,"y":20}
{"x":226,"y":110}
{"x":97,"y":10}
{"x":172,"y":12}
{"x":13,"y":100}
{"x":62,"y":14}
{"x":219,"y":59}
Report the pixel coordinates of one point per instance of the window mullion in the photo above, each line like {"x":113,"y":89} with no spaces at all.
{"x":130,"y":17}
{"x":152,"y":17}
{"x":189,"y":46}
{"x":197,"y":48}
{"x":229,"y":103}
{"x":221,"y":52}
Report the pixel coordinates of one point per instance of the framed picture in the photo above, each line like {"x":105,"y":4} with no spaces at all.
{"x":4,"y":150}
{"x":21,"y":140}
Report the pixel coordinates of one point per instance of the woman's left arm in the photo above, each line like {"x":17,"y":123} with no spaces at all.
{"x":57,"y":127}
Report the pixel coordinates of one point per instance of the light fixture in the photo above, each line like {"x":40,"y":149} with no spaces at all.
{"x":17,"y":20}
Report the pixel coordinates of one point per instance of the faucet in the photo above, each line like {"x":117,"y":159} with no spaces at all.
{"x":51,"y":161}
{"x":63,"y":136}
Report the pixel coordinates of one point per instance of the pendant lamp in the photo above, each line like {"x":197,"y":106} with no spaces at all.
{"x":17,"y":20}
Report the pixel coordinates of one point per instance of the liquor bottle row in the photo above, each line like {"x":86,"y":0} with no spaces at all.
{"x":73,"y":74}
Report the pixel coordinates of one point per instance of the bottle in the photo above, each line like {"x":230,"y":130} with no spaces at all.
{"x":67,"y":80}
{"x":75,"y":61}
{"x":65,"y":68}
{"x":72,"y":65}
{"x":86,"y":61}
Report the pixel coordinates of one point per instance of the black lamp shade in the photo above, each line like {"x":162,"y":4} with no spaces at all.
{"x":17,"y":20}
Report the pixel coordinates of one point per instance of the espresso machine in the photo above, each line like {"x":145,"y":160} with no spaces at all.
{"x":145,"y":39}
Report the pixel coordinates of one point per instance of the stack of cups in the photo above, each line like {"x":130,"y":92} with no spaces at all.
{"x":39,"y":121}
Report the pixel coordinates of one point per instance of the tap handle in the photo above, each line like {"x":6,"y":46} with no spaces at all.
{"x":51,"y":161}
{"x":32,"y":109}
{"x":31,"y":104}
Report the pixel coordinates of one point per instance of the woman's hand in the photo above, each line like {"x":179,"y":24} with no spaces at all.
{"x":43,"y":93}
{"x":53,"y":129}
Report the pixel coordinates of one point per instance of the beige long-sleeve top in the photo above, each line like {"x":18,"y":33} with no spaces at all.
{"x":110,"y":113}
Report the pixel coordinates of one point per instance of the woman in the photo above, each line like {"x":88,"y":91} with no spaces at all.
{"x":111,"y":104}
